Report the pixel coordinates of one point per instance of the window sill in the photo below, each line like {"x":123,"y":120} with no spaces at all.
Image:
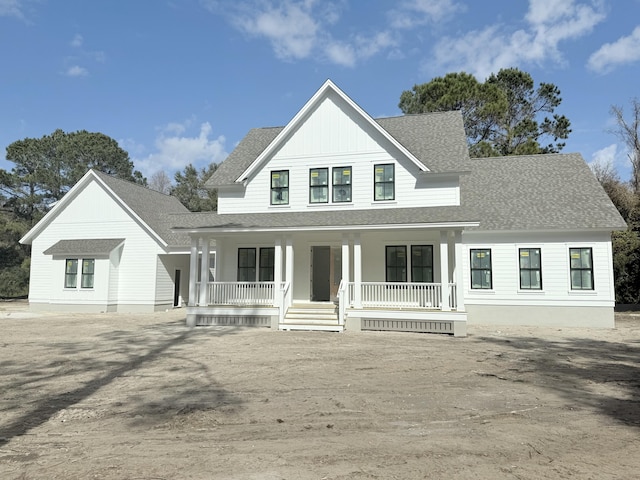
{"x":330,"y":204}
{"x":482,"y":291}
{"x":384,"y":202}
{"x":280,"y":207}
{"x":530,"y":291}
{"x":582,"y":292}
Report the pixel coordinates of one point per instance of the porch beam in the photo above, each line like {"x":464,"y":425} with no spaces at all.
{"x":445,"y":305}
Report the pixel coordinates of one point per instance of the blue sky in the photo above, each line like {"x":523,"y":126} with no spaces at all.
{"x":182,"y":81}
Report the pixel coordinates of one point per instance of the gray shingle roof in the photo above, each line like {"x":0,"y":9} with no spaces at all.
{"x":151,"y":206}
{"x":92,"y":246}
{"x":536,"y":192}
{"x":435,"y":139}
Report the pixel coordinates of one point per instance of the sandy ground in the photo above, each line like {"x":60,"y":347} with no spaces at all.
{"x":114,"y":396}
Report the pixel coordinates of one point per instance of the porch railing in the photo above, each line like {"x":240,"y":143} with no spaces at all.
{"x":239,"y":293}
{"x":401,"y":295}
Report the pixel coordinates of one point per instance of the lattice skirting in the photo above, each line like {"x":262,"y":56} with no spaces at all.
{"x":424,"y":326}
{"x":249,"y":321}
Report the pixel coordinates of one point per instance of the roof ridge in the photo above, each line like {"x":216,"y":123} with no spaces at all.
{"x":129,"y":182}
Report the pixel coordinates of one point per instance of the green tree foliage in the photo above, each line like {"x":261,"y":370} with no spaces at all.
{"x":190,"y":189}
{"x":44,"y":170}
{"x":626,"y":244}
{"x":505,"y":115}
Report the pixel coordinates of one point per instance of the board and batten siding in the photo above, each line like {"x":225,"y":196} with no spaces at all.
{"x":79,"y":220}
{"x":556,"y":282}
{"x":329,"y":137}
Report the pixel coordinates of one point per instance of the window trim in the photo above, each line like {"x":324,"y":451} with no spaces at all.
{"x":581,"y":269}
{"x":392,"y":182}
{"x":247,"y":268}
{"x":341,"y":186}
{"x":529,"y":269}
{"x":319,"y":186}
{"x":279,"y":190}
{"x":472,"y":269}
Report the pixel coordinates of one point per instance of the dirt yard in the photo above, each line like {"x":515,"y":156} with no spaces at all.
{"x":113,"y":396}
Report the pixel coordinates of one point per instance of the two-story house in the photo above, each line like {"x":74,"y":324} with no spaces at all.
{"x":341,"y":221}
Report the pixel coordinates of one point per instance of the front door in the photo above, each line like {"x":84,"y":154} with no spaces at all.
{"x":326,"y":273}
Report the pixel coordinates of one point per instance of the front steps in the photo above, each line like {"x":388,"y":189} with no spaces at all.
{"x":321,"y":316}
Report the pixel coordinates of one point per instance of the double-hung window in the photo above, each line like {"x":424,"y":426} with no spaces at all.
{"x":88,"y":266}
{"x":396,"y":263}
{"x":481,"y":268}
{"x":341,"y":184}
{"x":280,"y":187}
{"x":384,"y":182}
{"x":71,"y":273}
{"x":319,"y":185}
{"x":246,"y":264}
{"x":267,"y":262}
{"x":422,"y":263}
{"x":530,"y":269}
{"x":581,"y":267}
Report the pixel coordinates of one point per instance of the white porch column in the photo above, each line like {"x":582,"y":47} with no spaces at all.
{"x":193,"y":271}
{"x":289,"y":261}
{"x":357,"y":271}
{"x":345,"y":258}
{"x":204,"y":273}
{"x":277,"y":270}
{"x":277,"y":263}
{"x":444,"y":271}
{"x":457,"y":272}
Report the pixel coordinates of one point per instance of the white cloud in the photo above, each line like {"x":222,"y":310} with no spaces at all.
{"x":302,"y":29}
{"x":11,"y":8}
{"x":290,"y":27}
{"x":77,"y":40}
{"x":549,"y":23}
{"x":605,"y":156}
{"x":610,"y":55}
{"x":175,"y":151}
{"x":77,"y":71}
{"x":412,"y":13}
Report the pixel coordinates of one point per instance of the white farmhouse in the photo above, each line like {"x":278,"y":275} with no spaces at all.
{"x":341,"y":221}
{"x":107,"y":246}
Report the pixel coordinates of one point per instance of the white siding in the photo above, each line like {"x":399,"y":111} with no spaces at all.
{"x":556,"y":285}
{"x":332,"y":136}
{"x":94,"y":214}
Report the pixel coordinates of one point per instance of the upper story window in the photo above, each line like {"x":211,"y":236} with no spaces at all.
{"x":481,"y":268}
{"x":319,"y":185}
{"x":384,"y":182}
{"x":581,"y":266}
{"x":280,"y":187}
{"x":342,"y":184}
{"x":530,"y":269}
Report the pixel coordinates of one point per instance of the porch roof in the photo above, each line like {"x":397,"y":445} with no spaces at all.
{"x":84,"y":246}
{"x":435,"y":217}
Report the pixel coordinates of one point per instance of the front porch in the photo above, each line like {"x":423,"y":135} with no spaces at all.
{"x":387,"y":306}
